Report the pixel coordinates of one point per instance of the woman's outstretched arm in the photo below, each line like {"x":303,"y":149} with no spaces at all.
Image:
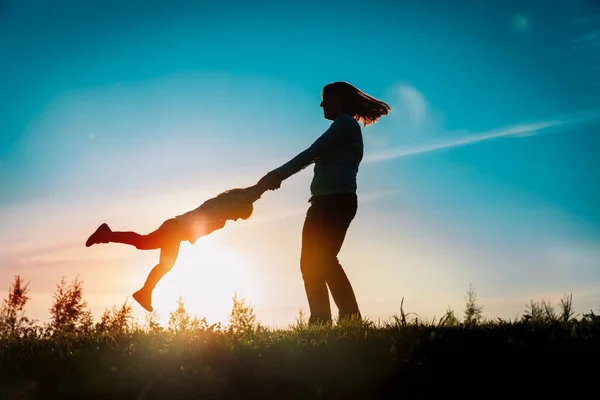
{"x":337,"y":133}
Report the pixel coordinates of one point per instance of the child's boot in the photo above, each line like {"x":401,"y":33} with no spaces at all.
{"x":101,"y":235}
{"x":144,"y":298}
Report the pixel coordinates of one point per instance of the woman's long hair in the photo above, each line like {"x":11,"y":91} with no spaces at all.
{"x":366,"y":109}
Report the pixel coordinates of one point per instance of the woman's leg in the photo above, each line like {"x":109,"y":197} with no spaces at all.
{"x":336,"y":212}
{"x":315,"y":285}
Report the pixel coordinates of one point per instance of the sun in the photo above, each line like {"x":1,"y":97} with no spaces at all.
{"x":206,"y":275}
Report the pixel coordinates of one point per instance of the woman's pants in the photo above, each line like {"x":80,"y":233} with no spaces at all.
{"x":325,"y":226}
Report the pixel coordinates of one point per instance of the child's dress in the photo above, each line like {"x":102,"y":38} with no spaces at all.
{"x":209,"y":216}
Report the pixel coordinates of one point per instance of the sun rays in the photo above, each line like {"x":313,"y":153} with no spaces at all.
{"x":206,"y":276}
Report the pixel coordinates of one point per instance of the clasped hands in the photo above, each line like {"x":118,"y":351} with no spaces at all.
{"x":270,"y":181}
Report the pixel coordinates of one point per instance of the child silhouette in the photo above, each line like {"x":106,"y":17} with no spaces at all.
{"x":211,"y":215}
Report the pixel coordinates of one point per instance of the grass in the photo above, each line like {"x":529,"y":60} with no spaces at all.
{"x":540,"y":355}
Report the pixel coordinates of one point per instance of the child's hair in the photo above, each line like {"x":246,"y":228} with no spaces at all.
{"x":365,"y":108}
{"x":231,"y":204}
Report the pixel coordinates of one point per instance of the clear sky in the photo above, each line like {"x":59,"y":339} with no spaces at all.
{"x":132,"y":112}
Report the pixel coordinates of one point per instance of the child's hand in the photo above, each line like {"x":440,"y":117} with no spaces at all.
{"x":254,"y":192}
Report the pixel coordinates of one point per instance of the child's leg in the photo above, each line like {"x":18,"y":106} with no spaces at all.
{"x":151,"y":241}
{"x":167,"y":237}
{"x":131,"y":238}
{"x":168,"y":256}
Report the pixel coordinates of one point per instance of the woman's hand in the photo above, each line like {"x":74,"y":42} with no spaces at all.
{"x":270,"y":181}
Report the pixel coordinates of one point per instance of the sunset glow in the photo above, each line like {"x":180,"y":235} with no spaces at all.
{"x":206,"y":276}
{"x":483,"y":173}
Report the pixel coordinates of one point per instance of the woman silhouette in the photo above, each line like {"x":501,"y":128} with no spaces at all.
{"x":337,"y":154}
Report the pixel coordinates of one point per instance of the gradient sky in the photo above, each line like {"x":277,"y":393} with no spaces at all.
{"x":131,"y":112}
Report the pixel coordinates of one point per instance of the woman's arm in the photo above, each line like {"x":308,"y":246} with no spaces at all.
{"x":337,"y":132}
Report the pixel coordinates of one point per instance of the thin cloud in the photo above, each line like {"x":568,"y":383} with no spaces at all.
{"x":517,"y":131}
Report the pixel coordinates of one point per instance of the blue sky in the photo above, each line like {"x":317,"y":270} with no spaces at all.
{"x":484,"y":172}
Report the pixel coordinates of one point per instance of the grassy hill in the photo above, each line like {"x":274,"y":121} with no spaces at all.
{"x":547,"y":353}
